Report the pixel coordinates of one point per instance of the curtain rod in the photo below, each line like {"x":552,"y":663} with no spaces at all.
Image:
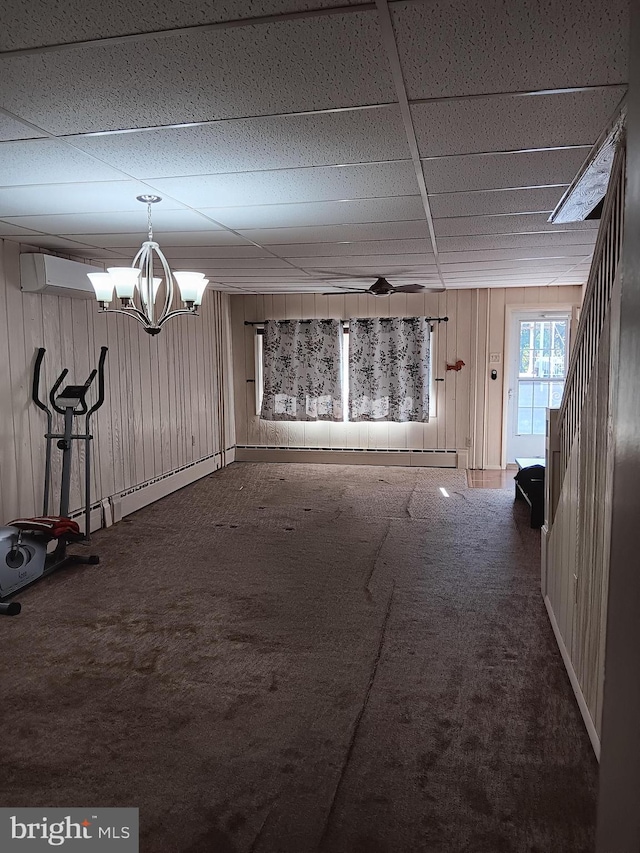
{"x":345,"y":322}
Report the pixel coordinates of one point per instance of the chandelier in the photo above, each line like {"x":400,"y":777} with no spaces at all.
{"x":137,"y":288}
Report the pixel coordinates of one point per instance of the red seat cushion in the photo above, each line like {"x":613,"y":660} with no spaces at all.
{"x":53,"y":525}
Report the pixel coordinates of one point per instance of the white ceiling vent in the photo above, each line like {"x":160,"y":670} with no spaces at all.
{"x":47,"y":274}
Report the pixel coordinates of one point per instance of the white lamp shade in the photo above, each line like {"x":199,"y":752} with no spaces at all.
{"x":189,"y":283}
{"x":125,"y":280}
{"x":102,"y":284}
{"x":142,"y":284}
{"x":201,"y":289}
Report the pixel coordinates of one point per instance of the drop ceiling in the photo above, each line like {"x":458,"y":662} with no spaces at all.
{"x":309,"y":145}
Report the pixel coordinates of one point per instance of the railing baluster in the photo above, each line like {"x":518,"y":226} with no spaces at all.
{"x":594,"y":309}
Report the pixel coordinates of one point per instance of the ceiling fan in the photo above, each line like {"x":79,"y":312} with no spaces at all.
{"x":381,"y":287}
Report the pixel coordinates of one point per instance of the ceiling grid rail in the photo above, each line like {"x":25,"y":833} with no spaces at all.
{"x":391,"y":47}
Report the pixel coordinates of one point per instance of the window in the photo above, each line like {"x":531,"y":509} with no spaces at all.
{"x":542,"y":368}
{"x":259,"y":383}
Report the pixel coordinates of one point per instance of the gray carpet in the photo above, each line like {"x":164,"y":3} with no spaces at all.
{"x":297,"y":658}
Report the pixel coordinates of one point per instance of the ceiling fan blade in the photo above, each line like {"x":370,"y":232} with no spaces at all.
{"x":409,"y":288}
{"x":339,"y":290}
{"x":328,"y":275}
{"x":417,"y":288}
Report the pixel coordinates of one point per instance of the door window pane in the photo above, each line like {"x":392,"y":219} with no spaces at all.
{"x":539,"y":420}
{"x":525,"y":421}
{"x":525,"y":394}
{"x":541,"y":394}
{"x":555,"y":396}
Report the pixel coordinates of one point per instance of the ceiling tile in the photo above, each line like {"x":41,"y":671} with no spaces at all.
{"x":491,"y":282}
{"x":467,"y":126}
{"x":399,"y":276}
{"x":564,"y":254}
{"x":116,"y":221}
{"x":488,"y":279}
{"x":448,"y":47}
{"x":213,"y":252}
{"x":133,"y":238}
{"x":304,"y":64}
{"x":345,"y":262}
{"x":548,"y":240}
{"x":47,"y":161}
{"x":249,"y":145}
{"x":249,"y":274}
{"x":12,"y":129}
{"x":41,"y":23}
{"x":513,"y":274}
{"x":63,"y":244}
{"x":369,"y":247}
{"x":233,"y":265}
{"x":286,"y":186}
{"x":7,"y":229}
{"x":410,"y":229}
{"x":509,"y":265}
{"x":290,"y":287}
{"x":76,"y":198}
{"x":93,"y":254}
{"x":320,"y":213}
{"x":531,"y":222}
{"x":496,"y":171}
{"x":374,"y":267}
{"x":504,"y":201}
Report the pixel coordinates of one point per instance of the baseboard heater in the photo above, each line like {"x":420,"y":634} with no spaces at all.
{"x":112,"y":509}
{"x":353,"y":456}
{"x":140,"y":496}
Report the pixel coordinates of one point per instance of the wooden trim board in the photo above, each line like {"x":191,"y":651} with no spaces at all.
{"x":586,"y":716}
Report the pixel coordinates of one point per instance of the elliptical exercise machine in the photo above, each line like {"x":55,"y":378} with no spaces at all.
{"x":23,"y":543}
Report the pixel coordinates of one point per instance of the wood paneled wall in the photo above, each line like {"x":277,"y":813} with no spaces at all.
{"x":168,"y":398}
{"x":469,"y":411}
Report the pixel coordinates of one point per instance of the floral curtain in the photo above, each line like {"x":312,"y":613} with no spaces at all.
{"x":389,"y":369}
{"x":302,"y":370}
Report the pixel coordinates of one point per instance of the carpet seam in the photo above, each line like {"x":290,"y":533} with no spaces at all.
{"x":358,"y":720}
{"x":375,"y":558}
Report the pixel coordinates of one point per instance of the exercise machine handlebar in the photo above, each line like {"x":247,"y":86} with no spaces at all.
{"x":35,"y":387}
{"x":54,"y":391}
{"x":100,"y":400}
{"x":82,"y":409}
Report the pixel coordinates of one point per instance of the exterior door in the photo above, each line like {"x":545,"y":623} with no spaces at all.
{"x":539,"y":359}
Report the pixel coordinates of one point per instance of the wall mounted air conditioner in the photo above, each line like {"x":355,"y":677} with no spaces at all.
{"x":48,"y":274}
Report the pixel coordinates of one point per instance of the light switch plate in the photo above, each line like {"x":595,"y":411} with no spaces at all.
{"x":495,"y":358}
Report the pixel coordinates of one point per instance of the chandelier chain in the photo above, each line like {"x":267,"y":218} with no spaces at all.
{"x":149,"y":221}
